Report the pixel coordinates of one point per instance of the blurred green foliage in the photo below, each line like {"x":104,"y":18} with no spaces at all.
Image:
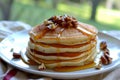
{"x":34,"y":13}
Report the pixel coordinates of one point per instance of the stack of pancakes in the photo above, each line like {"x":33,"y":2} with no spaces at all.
{"x":63,"y":44}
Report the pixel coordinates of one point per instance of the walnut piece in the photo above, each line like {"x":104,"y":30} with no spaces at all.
{"x":48,"y":22}
{"x":106,"y":51}
{"x":109,"y":59}
{"x":41,"y":67}
{"x":16,"y":55}
{"x":52,"y":26}
{"x":99,"y":65}
{"x":105,"y":58}
{"x":103,"y":45}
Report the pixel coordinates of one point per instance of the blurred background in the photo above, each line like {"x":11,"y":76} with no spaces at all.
{"x":104,"y":14}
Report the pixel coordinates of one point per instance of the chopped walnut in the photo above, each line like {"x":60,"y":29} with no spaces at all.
{"x":103,"y":45}
{"x":105,"y":58}
{"x":99,"y":65}
{"x":52,"y":26}
{"x":16,"y":55}
{"x":106,"y":51}
{"x":48,"y":22}
{"x":41,"y":67}
{"x":108,"y":58}
{"x":64,"y":21}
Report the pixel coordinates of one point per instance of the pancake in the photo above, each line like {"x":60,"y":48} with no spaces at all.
{"x":57,"y":48}
{"x":61,"y":35}
{"x":71,"y":62}
{"x":63,"y":42}
{"x":61,"y":56}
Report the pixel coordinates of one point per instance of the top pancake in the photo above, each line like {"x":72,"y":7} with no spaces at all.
{"x":71,"y":33}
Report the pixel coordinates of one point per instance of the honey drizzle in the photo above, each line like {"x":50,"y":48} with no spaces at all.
{"x":85,"y":32}
{"x":59,"y":34}
{"x":83,"y":26}
{"x":62,"y":45}
{"x":74,"y":68}
{"x":64,"y":54}
{"x":58,"y":38}
{"x":42,"y":33}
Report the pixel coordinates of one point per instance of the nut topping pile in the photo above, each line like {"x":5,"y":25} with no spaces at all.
{"x":105,"y":58}
{"x":62,"y":21}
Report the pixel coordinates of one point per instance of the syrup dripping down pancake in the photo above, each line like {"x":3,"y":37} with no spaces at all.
{"x":63,"y":42}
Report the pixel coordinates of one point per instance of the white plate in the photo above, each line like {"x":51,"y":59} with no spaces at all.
{"x":19,"y":41}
